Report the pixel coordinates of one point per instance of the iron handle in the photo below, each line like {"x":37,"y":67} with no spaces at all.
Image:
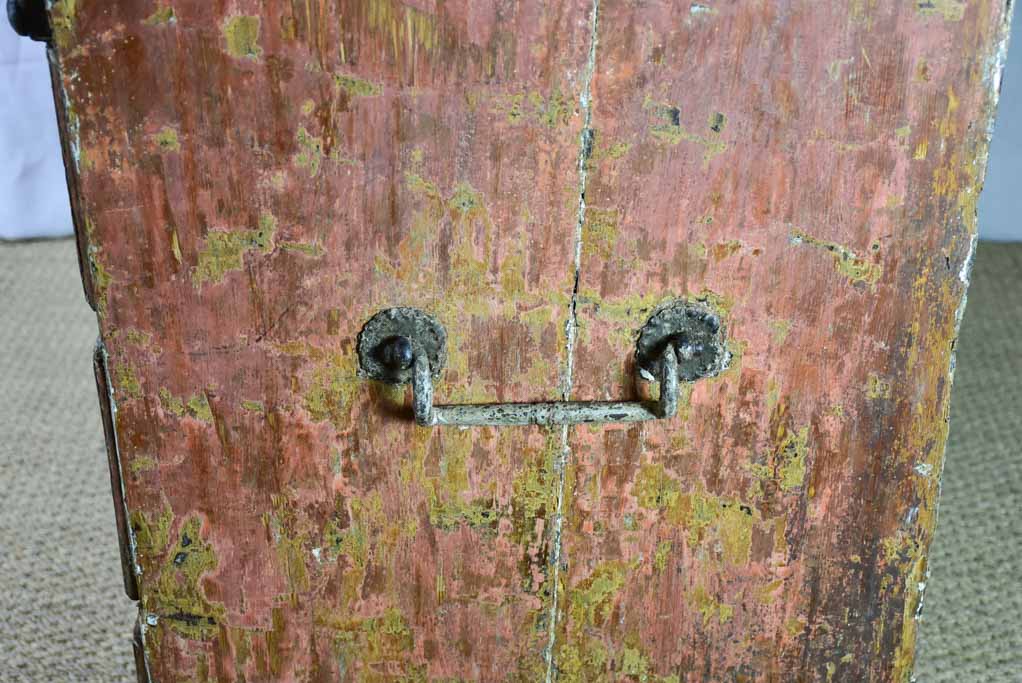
{"x":681,"y":341}
{"x":544,"y":413}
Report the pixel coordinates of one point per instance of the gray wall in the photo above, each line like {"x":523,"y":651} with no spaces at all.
{"x":1000,"y":204}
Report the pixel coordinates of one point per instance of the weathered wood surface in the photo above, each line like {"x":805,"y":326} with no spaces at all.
{"x":254,"y":180}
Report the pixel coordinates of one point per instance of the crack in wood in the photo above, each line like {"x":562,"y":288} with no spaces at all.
{"x":571,"y":331}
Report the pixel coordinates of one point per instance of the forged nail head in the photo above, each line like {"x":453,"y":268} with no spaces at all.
{"x":396,"y":353}
{"x":696,"y":333}
{"x":390,"y":340}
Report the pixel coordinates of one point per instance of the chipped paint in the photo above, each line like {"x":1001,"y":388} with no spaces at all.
{"x":671,"y":131}
{"x":406,"y":30}
{"x":310,"y":151}
{"x":607,"y":150}
{"x":948,"y":10}
{"x":600,"y":232}
{"x":779,"y":330}
{"x":791,"y":458}
{"x":356,"y":87}
{"x":182,"y":603}
{"x":310,"y":249}
{"x":878,"y":387}
{"x":63,"y":18}
{"x":378,"y":549}
{"x":127,"y":382}
{"x":710,"y":608}
{"x":196,"y":405}
{"x":166,"y":139}
{"x":142,"y":464}
{"x":241,"y":35}
{"x":163,"y":15}
{"x":224,"y":250}
{"x":856,"y":268}
{"x":549,"y":110}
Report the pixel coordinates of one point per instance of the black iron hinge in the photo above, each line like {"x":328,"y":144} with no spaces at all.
{"x":29,"y":18}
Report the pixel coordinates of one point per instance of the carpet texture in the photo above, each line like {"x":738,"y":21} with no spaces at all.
{"x":63,"y":614}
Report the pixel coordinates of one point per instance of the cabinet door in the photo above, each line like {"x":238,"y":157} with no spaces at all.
{"x":253,"y":181}
{"x":812,"y":170}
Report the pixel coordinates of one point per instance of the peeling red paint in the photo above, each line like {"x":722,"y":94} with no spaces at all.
{"x":254,"y":181}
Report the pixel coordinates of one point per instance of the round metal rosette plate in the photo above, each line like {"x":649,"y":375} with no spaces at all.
{"x":427,"y":336}
{"x":697,"y":334}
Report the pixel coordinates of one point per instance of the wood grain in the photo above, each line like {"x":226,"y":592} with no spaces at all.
{"x":812,"y":171}
{"x":253,"y":181}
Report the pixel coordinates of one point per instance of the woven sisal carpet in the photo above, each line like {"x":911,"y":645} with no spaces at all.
{"x":63,"y":614}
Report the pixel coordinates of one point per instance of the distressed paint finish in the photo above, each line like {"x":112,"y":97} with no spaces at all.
{"x":252,"y":181}
{"x":257,"y":180}
{"x":812,"y":170}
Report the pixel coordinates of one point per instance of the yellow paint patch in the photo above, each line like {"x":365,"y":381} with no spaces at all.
{"x":175,"y":246}
{"x":847,"y":262}
{"x":877,"y":387}
{"x":332,"y":386}
{"x":791,"y":459}
{"x":139,"y":338}
{"x":167,"y":140}
{"x":373,"y":641}
{"x":127,"y":381}
{"x":549,"y":110}
{"x":767,"y":594}
{"x":291,"y":539}
{"x":711,"y":609}
{"x":957,"y":178}
{"x":605,"y":150}
{"x":703,"y":515}
{"x":310,"y":249}
{"x":600,"y":232}
{"x":779,"y":330}
{"x":197,"y":405}
{"x":922,"y":149}
{"x":142,"y":463}
{"x":592,"y":601}
{"x":948,"y":10}
{"x":407,"y":30}
{"x":175,"y":594}
{"x":669,"y":129}
{"x":663,"y":552}
{"x":356,"y":87}
{"x":310,"y":151}
{"x":101,"y":278}
{"x":62,"y":18}
{"x":163,"y":15}
{"x":224,"y":250}
{"x":241,"y":33}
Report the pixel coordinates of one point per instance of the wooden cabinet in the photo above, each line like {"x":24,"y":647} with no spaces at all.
{"x":253,"y":181}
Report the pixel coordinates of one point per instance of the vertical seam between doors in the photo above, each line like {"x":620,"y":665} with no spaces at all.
{"x":571,"y":334}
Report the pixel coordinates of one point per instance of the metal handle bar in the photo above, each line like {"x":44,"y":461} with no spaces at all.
{"x":545,"y":413}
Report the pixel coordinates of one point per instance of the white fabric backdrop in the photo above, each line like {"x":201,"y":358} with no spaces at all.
{"x":33,"y":190}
